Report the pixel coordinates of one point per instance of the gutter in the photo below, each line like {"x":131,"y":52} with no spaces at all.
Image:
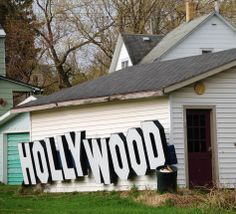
{"x":120,"y":97}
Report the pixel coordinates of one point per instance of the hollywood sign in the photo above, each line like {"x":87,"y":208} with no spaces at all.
{"x":69,"y":156}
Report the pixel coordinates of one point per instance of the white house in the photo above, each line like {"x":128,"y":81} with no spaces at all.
{"x":131,"y":48}
{"x":205,"y":34}
{"x":194,"y":98}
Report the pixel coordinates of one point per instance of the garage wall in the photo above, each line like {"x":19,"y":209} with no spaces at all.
{"x":21,"y":123}
{"x":14,"y":172}
{"x":101,"y":121}
{"x":221,"y":94}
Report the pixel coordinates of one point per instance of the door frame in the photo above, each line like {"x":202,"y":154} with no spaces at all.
{"x":213,"y":133}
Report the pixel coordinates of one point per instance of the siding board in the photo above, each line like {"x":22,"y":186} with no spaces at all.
{"x":224,"y":100}
{"x":101,"y":121}
{"x":219,"y":37}
{"x":14,"y":173}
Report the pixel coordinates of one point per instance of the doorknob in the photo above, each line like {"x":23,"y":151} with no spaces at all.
{"x":209,"y":149}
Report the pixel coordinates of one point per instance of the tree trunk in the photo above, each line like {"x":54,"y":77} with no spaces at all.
{"x":63,"y":78}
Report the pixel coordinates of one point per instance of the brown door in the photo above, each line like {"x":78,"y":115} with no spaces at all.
{"x":199,"y":147}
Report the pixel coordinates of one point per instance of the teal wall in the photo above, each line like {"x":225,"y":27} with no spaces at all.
{"x":2,"y":57}
{"x":6,"y":92}
{"x":6,"y":87}
{"x":18,"y":124}
{"x":14,"y":172}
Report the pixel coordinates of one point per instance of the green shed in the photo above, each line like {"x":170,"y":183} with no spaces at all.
{"x":14,"y":128}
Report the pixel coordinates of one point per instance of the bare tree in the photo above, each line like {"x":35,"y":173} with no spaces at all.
{"x":69,"y":28}
{"x":65,"y":28}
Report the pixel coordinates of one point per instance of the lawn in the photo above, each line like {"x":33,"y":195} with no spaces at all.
{"x":12,"y":201}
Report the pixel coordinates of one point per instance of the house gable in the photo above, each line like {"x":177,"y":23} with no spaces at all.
{"x":206,"y":31}
{"x":123,"y":58}
{"x":131,"y":48}
{"x":214,"y":35}
{"x":120,"y":55}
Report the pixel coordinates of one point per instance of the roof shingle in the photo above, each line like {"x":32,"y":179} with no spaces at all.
{"x":139,"y":45}
{"x":141,"y":78}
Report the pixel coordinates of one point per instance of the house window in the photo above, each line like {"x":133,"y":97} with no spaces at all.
{"x":124,"y":64}
{"x":206,"y":51}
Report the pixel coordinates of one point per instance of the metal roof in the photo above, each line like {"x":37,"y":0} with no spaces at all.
{"x":153,"y":76}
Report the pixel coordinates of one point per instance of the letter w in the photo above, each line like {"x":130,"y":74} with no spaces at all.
{"x":97,"y":154}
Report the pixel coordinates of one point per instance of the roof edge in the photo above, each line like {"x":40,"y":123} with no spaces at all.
{"x":218,"y":15}
{"x":119,"y":97}
{"x":116,"y":53}
{"x":179,"y":41}
{"x":35,"y":88}
{"x":9,"y":115}
{"x":190,"y":33}
{"x":199,"y":77}
{"x":230,"y":25}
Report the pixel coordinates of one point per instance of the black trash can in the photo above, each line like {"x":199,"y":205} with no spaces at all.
{"x":166,"y":179}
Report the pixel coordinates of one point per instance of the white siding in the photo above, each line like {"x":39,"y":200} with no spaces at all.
{"x":214,"y":34}
{"x":101,"y":121}
{"x":124,"y":56}
{"x":220,"y":93}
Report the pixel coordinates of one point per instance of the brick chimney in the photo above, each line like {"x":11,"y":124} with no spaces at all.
{"x":2,"y":52}
{"x":190,"y":10}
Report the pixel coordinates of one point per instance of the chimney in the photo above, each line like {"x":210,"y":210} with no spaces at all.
{"x":217,"y":6}
{"x":190,"y":10}
{"x":2,"y":52}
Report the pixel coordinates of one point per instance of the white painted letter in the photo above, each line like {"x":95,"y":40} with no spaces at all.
{"x":38,"y":151}
{"x":76,"y":151}
{"x":56,"y":174}
{"x":26,"y":163}
{"x":119,"y":155}
{"x":153,"y":142}
{"x":69,"y":173}
{"x":136,"y":151}
{"x":98,"y":159}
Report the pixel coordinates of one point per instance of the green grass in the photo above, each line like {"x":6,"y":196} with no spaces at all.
{"x":11,"y":201}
